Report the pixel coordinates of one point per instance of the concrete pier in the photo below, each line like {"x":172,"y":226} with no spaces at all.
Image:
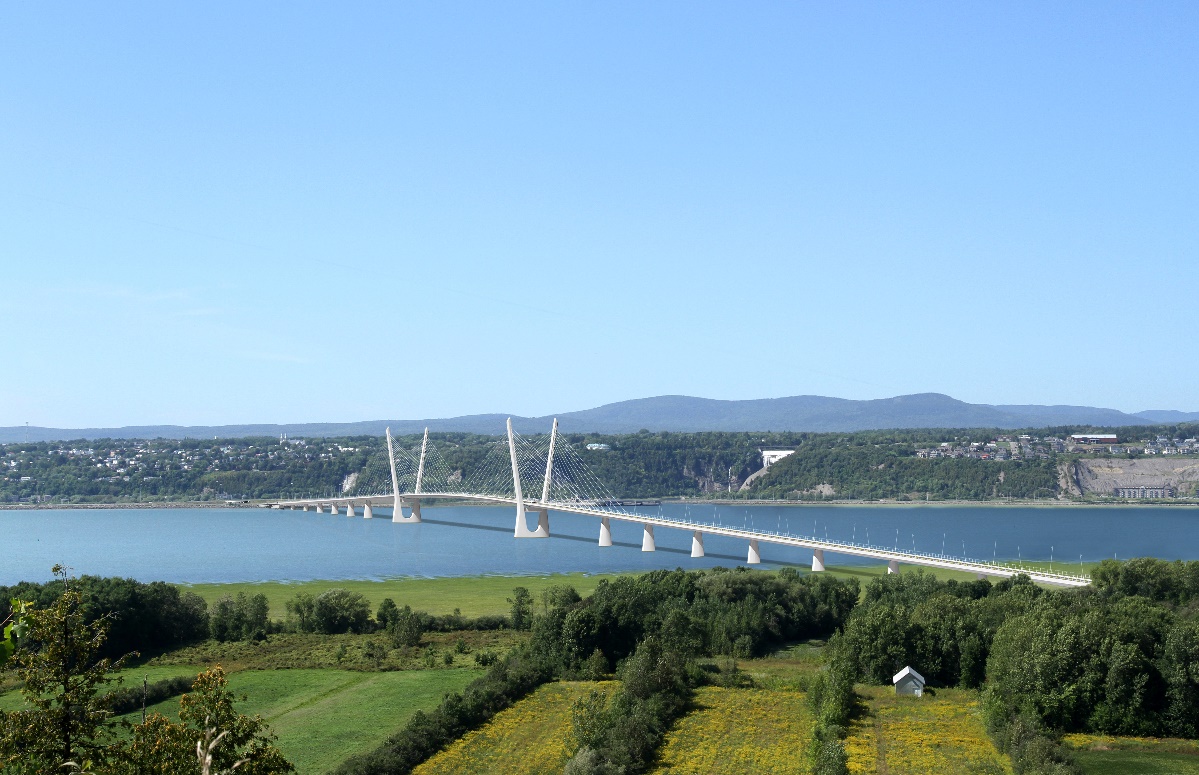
{"x":817,"y":560}
{"x":697,"y":544}
{"x":893,"y":566}
{"x":605,"y":538}
{"x":755,"y":558}
{"x":647,"y":539}
{"x":350,"y":510}
{"x":367,"y":512}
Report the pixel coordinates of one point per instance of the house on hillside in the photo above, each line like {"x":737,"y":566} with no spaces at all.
{"x":908,"y":681}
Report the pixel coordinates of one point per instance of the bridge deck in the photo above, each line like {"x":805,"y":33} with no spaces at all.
{"x":761,"y":536}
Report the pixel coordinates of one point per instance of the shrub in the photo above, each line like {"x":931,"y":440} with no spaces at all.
{"x":130,"y":698}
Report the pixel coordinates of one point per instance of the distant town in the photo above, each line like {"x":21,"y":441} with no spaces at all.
{"x":1025,"y":447}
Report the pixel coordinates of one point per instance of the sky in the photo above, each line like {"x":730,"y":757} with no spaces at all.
{"x":299,"y":212}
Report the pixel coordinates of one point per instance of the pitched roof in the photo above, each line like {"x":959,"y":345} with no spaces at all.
{"x":906,"y":672}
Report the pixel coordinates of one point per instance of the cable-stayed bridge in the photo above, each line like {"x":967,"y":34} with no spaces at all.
{"x":543,"y":473}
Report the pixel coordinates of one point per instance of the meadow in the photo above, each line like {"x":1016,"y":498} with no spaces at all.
{"x":937,"y":734}
{"x":533,"y":737}
{"x":732,"y":731}
{"x":321,"y":717}
{"x":471,"y":595}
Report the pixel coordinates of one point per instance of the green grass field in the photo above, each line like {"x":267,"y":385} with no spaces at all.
{"x":1137,"y":763}
{"x":1106,"y":755}
{"x":322,"y":717}
{"x":474,"y":596}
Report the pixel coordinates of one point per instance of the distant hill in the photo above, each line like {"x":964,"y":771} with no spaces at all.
{"x":676,"y":413}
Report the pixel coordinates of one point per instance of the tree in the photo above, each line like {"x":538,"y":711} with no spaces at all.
{"x":406,"y":627}
{"x":13,"y":629}
{"x":62,"y":675}
{"x":386,"y":613}
{"x":522,"y":608}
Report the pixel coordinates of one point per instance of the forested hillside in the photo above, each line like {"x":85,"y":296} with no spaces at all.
{"x":866,"y":465}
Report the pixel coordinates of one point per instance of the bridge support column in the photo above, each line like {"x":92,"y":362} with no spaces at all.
{"x":397,"y":512}
{"x":893,"y":566}
{"x":305,"y":507}
{"x":697,"y":544}
{"x":647,"y":539}
{"x":817,"y":560}
{"x":368,"y":512}
{"x":543,"y":521}
{"x":982,"y":577}
{"x":605,"y":532}
{"x":754,"y":557}
{"x":319,"y":508}
{"x":350,"y":510}
{"x":333,"y":508}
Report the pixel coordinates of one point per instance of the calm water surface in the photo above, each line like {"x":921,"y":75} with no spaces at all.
{"x":224,"y":545}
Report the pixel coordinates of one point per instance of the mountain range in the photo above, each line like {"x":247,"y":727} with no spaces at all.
{"x":675,"y":413}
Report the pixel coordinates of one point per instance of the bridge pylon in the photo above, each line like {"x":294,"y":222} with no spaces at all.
{"x":397,"y":510}
{"x":522,"y":527}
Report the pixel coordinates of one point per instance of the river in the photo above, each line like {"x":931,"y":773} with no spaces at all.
{"x":227,"y":545}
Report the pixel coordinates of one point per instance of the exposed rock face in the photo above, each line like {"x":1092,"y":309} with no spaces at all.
{"x":1102,"y":476}
{"x":824,"y":490}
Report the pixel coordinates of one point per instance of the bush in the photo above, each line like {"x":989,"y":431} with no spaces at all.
{"x":130,"y":698}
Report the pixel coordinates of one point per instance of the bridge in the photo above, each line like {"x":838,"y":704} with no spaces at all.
{"x":544,"y":473}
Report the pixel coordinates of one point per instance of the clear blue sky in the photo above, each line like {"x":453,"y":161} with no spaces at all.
{"x":279,"y":212}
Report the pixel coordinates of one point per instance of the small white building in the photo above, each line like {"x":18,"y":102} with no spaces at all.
{"x":908,"y":681}
{"x":772,"y":456}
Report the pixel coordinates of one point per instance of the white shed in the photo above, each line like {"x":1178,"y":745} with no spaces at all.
{"x":908,"y":681}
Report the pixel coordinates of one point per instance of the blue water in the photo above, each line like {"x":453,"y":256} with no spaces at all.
{"x":223,"y":545}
